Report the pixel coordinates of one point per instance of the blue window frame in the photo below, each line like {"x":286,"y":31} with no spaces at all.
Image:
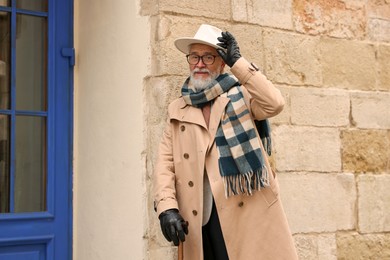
{"x":36,"y":115}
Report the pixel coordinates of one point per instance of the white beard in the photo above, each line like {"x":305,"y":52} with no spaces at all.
{"x":200,"y":84}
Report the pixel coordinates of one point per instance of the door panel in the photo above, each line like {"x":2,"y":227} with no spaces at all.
{"x":24,"y":252}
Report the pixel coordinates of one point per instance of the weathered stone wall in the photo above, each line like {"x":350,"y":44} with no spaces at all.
{"x":331,"y":60}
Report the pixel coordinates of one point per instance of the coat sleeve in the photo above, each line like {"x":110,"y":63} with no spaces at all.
{"x":265,"y":100}
{"x":164,"y":175}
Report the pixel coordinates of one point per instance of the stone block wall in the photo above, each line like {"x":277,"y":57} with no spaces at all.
{"x":331,"y":60}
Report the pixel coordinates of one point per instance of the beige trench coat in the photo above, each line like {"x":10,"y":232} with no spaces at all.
{"x":254,"y":227}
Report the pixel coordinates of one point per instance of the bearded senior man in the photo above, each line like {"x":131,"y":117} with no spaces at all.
{"x":213,"y":184}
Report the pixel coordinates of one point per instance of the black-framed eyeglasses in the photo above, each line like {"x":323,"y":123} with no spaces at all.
{"x":207,"y":59}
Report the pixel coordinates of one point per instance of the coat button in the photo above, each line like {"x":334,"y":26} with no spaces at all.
{"x":195,"y":212}
{"x":186,"y":156}
{"x":182,"y":128}
{"x":241,"y":204}
{"x":191,"y":184}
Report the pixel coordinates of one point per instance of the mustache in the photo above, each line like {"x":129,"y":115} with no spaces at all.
{"x":200,"y":70}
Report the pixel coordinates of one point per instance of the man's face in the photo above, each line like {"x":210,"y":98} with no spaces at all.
{"x":205,"y":72}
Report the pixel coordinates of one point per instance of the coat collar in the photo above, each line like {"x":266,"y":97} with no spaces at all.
{"x":191,"y":114}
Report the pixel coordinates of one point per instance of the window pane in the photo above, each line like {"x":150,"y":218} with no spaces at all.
{"x":5,"y":2}
{"x":30,"y":168}
{"x":4,"y":164}
{"x":31,"y":63}
{"x":33,"y":5}
{"x":5,"y":60}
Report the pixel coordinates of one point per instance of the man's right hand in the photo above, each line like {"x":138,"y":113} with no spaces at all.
{"x":173,"y":226}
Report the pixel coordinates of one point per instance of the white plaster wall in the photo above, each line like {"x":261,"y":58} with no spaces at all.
{"x":111,"y":41}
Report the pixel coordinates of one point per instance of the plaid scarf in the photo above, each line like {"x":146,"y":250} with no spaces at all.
{"x":241,"y":162}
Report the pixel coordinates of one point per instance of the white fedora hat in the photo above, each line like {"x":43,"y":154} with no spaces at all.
{"x":206,"y":34}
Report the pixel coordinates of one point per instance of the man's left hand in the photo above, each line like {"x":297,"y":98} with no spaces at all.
{"x":232,"y":53}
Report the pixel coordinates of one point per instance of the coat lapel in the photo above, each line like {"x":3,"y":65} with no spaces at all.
{"x":189,"y":114}
{"x":194,"y":115}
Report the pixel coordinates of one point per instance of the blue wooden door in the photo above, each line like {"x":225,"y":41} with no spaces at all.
{"x":36,"y":86}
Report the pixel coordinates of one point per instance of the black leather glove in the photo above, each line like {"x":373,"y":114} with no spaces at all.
{"x":232,"y":53}
{"x":173,"y":226}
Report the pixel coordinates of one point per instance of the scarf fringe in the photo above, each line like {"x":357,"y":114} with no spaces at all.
{"x":267,"y":145}
{"x":246,"y":183}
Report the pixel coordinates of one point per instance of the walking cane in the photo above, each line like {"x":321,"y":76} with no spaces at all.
{"x":180,"y":251}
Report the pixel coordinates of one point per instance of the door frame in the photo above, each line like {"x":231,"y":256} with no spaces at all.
{"x":50,"y":233}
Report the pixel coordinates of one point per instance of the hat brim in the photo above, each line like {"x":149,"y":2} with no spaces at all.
{"x":183,"y":44}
